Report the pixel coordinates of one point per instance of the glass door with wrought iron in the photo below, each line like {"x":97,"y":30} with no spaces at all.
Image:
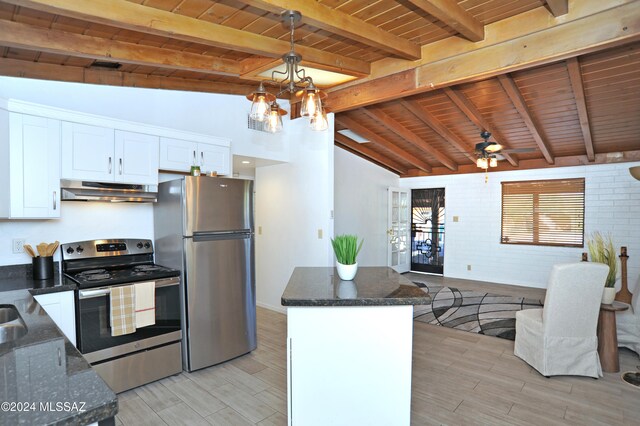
{"x":398,"y":229}
{"x":427,"y":230}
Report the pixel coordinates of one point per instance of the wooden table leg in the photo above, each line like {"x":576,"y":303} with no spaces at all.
{"x":608,"y":342}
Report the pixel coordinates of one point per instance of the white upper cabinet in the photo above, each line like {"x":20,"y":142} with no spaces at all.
{"x":214,"y":158}
{"x":87,"y":152}
{"x":179,"y":155}
{"x":103,"y":154}
{"x":136,"y":158}
{"x":29,"y":167}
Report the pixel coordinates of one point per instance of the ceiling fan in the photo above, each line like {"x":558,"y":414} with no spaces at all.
{"x":488,"y":152}
{"x":486,"y":147}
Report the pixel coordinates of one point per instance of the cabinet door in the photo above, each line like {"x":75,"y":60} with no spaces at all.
{"x":87,"y":152}
{"x":34,"y":166}
{"x":61,"y":308}
{"x":136,"y":158}
{"x":178,"y":154}
{"x":214,"y":158}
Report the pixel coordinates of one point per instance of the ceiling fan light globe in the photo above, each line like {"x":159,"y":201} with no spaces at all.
{"x":493,"y":147}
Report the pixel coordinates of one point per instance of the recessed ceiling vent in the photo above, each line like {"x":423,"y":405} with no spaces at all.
{"x":105,"y":64}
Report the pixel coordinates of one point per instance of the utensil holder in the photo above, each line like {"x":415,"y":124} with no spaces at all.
{"x":43,"y":267}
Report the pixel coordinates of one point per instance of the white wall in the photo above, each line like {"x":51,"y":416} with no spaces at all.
{"x":361,"y":200}
{"x":79,"y":221}
{"x":294,"y":201}
{"x":612,"y":204}
{"x":207,"y":113}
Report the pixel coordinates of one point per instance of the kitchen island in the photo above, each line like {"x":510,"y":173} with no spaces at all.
{"x":349,"y":346}
{"x":44,"y":379}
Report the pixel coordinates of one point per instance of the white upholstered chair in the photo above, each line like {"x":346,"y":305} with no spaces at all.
{"x":560,"y":338}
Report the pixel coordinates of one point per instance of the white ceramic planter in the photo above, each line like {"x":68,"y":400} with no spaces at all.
{"x":608,"y":295}
{"x":346,"y":272}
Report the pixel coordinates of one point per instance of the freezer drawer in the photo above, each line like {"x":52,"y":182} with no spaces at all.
{"x":220,"y":299}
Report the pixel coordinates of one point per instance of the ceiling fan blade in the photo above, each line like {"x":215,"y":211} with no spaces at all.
{"x":518,"y":150}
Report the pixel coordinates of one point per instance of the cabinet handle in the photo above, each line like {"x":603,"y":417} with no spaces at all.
{"x":109,"y":165}
{"x":59,"y":357}
{"x":201,"y":158}
{"x":55,"y":199}
{"x":120,"y":165}
{"x":194,"y":157}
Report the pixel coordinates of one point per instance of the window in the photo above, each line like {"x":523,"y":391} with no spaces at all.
{"x":543,"y":212}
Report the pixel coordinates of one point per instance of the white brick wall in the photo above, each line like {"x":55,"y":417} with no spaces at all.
{"x":612,"y":204}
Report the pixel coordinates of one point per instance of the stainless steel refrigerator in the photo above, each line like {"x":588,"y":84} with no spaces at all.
{"x":204,"y":227}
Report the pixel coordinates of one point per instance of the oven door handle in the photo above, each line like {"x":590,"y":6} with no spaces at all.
{"x":105,"y":291}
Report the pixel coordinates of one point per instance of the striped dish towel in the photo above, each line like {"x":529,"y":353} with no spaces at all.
{"x":123,"y":310}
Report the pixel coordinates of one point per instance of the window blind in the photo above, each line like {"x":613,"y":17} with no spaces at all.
{"x":543,"y":212}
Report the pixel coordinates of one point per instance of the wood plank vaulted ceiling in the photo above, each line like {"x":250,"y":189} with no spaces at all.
{"x":561,"y":77}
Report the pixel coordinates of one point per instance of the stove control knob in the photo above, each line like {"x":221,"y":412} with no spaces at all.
{"x":70,"y":250}
{"x":147,"y":245}
{"x":79,"y":249}
{"x":139,"y":245}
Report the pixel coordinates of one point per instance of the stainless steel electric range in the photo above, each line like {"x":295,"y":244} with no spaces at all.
{"x":150,"y":353}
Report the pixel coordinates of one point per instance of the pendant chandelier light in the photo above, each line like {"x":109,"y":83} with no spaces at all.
{"x":264,"y":107}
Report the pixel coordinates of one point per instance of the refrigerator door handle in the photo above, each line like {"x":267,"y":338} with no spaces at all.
{"x":217,"y":236}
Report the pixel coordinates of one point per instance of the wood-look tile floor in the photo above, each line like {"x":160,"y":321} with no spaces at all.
{"x":459,"y":378}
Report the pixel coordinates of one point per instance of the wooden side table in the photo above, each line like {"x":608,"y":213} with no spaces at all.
{"x":608,"y":336}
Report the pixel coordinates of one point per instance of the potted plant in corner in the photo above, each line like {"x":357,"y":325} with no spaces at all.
{"x":601,"y":250}
{"x":346,"y":249}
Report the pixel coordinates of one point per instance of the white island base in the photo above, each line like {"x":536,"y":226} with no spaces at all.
{"x":349,"y":365}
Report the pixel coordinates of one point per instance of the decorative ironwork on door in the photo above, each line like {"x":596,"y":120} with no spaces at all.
{"x":427,"y":230}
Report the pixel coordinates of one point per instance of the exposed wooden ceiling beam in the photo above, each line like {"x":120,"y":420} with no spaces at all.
{"x":558,"y":7}
{"x":473,"y":114}
{"x":369,"y":153}
{"x":612,"y":27}
{"x":427,"y":118}
{"x":454,"y":16}
{"x":575,"y":75}
{"x":537,"y":163}
{"x":23,"y":36}
{"x":146,"y":19}
{"x":342,"y":24}
{"x":364,"y":131}
{"x":397,"y":128}
{"x":530,"y":121}
{"x":26,"y":69}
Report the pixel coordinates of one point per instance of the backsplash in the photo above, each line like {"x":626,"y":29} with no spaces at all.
{"x":80,"y":221}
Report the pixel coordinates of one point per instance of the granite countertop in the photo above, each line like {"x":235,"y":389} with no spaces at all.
{"x":44,"y":379}
{"x":372,"y":286}
{"x":19,"y":277}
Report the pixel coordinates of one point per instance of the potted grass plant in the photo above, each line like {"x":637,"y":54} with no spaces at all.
{"x":346,"y":249}
{"x":601,"y":250}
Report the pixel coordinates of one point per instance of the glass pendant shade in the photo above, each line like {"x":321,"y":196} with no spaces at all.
{"x":274,"y":120}
{"x":318,"y":121}
{"x":259,"y":107}
{"x":311,"y":103}
{"x":493,"y":162}
{"x":482,"y":163}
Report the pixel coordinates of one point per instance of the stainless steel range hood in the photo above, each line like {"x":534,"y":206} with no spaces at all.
{"x":72,"y":190}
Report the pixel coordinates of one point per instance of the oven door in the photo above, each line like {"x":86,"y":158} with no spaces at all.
{"x":94,"y":333}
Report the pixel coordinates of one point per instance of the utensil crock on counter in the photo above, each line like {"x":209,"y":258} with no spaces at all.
{"x":42,"y":267}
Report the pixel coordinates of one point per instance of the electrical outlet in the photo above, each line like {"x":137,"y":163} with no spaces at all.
{"x":468,"y":267}
{"x":259,"y":230}
{"x":319,"y":234}
{"x":18,"y":245}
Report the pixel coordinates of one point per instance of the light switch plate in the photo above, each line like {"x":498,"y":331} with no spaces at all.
{"x":319,"y":234}
{"x":456,"y":218}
